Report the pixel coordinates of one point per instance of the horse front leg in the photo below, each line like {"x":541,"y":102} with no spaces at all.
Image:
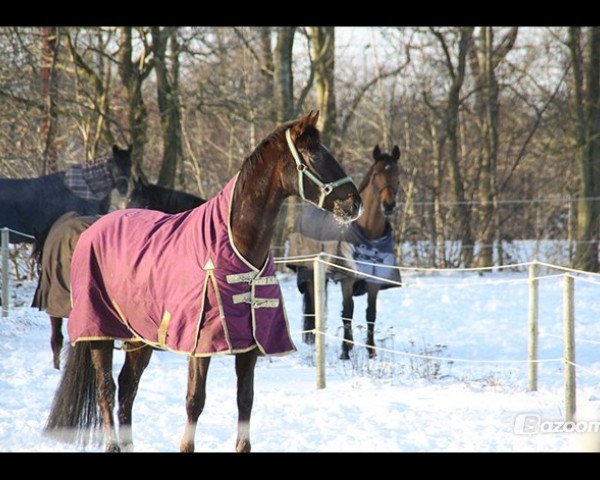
{"x":196,"y":396}
{"x":347,"y":313}
{"x":137,"y":357}
{"x":56,"y":340}
{"x":102,"y":357}
{"x":308,"y":335}
{"x":244,"y":369}
{"x":372,"y":291}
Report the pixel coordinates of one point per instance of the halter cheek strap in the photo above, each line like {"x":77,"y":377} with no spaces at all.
{"x":303,"y":169}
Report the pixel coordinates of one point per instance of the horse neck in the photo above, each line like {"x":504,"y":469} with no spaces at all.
{"x":372,"y":220}
{"x":255,"y":208}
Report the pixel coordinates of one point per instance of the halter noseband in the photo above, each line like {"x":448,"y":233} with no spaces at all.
{"x":303,"y":169}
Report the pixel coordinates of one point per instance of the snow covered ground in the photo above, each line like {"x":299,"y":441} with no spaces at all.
{"x":393,"y":403}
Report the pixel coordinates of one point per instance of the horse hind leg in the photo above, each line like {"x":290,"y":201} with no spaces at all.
{"x":244,"y":369}
{"x":137,"y":358}
{"x":56,"y":340}
{"x":195,"y":398}
{"x":102,"y":359}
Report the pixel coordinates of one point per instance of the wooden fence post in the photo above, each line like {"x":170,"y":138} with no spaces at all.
{"x":5,"y":279}
{"x":320,"y":319}
{"x":532,"y":347}
{"x":569,"y":346}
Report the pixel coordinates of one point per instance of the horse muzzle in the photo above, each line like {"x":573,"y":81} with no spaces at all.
{"x":348,"y":210}
{"x":122,"y":186}
{"x":388,"y":209}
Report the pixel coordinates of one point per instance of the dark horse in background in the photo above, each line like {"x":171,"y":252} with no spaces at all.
{"x":31,"y":205}
{"x":241,"y":221}
{"x":167,"y":200}
{"x":53,"y":250}
{"x":368,"y":239}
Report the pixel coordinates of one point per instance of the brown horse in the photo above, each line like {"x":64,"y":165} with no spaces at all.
{"x":378,"y":192}
{"x":368,"y":239}
{"x":290,"y":161}
{"x":53,"y":249}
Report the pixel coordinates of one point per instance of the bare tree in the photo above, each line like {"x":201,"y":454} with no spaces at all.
{"x":449,"y":134}
{"x":48,"y":124}
{"x":167,"y":89}
{"x":133,"y":72}
{"x":484,"y":59}
{"x":586,"y":86}
{"x":94,"y":66}
{"x":283,"y":74}
{"x":323,"y":61}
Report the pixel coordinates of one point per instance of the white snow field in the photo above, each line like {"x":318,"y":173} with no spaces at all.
{"x":392,"y":403}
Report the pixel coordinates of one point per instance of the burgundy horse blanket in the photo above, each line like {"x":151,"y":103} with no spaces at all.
{"x":176,"y":282}
{"x":318,"y":231}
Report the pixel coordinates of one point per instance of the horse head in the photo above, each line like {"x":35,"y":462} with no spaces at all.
{"x":138,"y":196}
{"x":319,"y":178}
{"x":385,"y":178}
{"x":120,"y":169}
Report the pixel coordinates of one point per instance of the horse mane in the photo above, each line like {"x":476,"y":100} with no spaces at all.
{"x":365,"y":181}
{"x":311,"y":138}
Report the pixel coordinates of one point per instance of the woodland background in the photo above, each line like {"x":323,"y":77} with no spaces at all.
{"x":499,"y":127}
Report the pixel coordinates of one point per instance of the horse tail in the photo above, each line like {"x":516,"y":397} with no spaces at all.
{"x":75,"y":416}
{"x":38,"y":247}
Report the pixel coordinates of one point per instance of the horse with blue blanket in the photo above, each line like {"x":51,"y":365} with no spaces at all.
{"x":365,"y":245}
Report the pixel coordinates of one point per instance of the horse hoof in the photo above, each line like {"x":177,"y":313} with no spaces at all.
{"x":127,"y":448}
{"x":243,"y":446}
{"x":372,"y":354}
{"x":112,"y":448}
{"x":309,"y":338}
{"x":344,"y":356}
{"x":187,"y":447}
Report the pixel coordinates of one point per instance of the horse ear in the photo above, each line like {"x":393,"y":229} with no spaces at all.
{"x":116,"y":149}
{"x":395,"y":153}
{"x":308,"y":120}
{"x":129,"y":148}
{"x":376,"y":153}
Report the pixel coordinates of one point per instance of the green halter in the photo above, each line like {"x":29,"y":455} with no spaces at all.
{"x":326,"y":188}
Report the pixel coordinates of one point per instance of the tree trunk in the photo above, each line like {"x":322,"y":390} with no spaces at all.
{"x":284,"y":79}
{"x":133,"y":73}
{"x":284,"y":110}
{"x":587,"y":110}
{"x":484,"y":65}
{"x":462,"y":211}
{"x":168,"y":103}
{"x":323,"y":58}
{"x":49,"y":121}
{"x":268,"y":69}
